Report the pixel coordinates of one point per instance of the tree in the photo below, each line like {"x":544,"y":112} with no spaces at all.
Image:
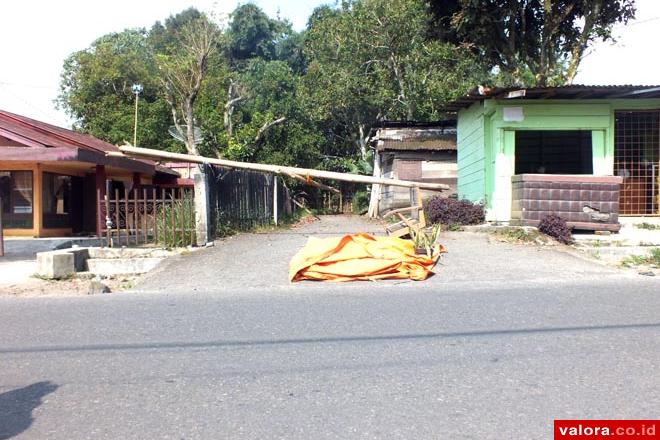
{"x":95,"y":90}
{"x":372,"y":60}
{"x":531,"y":42}
{"x":252,"y":34}
{"x":183,"y":67}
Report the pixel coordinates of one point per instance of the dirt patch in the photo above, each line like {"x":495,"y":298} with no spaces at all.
{"x":34,"y":286}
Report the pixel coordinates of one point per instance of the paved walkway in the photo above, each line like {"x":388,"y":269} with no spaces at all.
{"x":257,"y":261}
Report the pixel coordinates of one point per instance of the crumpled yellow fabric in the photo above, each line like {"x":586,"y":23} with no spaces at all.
{"x":360,"y":257}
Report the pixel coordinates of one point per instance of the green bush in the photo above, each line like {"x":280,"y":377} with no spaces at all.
{"x":360,"y":202}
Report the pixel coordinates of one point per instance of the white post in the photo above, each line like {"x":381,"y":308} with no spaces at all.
{"x":275,"y":199}
{"x":375,"y":188}
{"x":202,"y":207}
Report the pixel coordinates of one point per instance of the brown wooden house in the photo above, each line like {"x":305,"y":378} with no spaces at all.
{"x":424,"y":152}
{"x":51,"y":178}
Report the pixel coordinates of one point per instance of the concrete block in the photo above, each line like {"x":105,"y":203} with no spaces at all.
{"x":55,"y":265}
{"x":121,"y":266}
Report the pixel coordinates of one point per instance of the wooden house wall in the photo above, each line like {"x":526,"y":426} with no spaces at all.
{"x":423,"y":166}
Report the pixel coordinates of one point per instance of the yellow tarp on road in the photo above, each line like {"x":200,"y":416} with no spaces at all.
{"x":360,"y":257}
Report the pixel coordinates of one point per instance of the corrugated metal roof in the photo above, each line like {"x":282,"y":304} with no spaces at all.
{"x":416,"y":138}
{"x":574,"y":91}
{"x":39,"y":135}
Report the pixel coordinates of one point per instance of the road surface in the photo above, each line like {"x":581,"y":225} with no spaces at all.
{"x":468,"y":359}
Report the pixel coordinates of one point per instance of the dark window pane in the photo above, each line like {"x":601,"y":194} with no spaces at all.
{"x":16,"y":194}
{"x":554,"y":152}
{"x":56,"y":200}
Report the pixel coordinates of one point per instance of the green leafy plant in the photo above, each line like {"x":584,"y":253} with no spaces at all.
{"x":652,"y":258}
{"x":425,"y":239}
{"x":360,"y":202}
{"x":175,"y":223}
{"x":646,"y":225}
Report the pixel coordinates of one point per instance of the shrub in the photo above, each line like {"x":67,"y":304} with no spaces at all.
{"x":556,"y":227}
{"x":360,"y":202}
{"x":175,"y":223}
{"x":454,"y":212}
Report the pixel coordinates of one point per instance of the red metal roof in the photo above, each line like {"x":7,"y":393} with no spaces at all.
{"x":50,"y":135}
{"x":37,"y":136}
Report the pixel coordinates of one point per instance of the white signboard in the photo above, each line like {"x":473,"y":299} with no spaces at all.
{"x":513,"y":114}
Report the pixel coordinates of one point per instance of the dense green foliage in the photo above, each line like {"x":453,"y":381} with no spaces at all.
{"x":263,"y":92}
{"x":530,"y":42}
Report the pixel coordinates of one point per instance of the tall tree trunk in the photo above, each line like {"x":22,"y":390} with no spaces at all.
{"x":578,"y":50}
{"x":190,"y":128}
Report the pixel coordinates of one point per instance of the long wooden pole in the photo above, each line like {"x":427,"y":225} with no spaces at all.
{"x":276,"y":169}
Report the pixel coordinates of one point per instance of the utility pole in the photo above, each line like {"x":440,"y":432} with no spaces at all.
{"x":137,"y":89}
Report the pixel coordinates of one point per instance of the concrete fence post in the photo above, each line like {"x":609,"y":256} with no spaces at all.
{"x":275,"y":199}
{"x":203,"y":208}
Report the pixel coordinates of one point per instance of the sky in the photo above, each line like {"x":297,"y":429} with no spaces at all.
{"x":36,"y":37}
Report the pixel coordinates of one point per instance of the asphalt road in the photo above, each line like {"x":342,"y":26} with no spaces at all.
{"x":217,"y":344}
{"x":361,"y":361}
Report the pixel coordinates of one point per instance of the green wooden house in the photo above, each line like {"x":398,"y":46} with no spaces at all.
{"x":524,"y":152}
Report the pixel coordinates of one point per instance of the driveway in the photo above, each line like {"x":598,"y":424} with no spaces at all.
{"x":248,"y":262}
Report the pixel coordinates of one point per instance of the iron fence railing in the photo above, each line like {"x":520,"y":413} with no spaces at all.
{"x":148,"y":215}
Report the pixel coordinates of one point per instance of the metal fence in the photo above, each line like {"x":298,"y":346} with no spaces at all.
{"x":245,"y":199}
{"x":148,"y":215}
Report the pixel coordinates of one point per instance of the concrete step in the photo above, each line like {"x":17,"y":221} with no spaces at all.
{"x":615,"y":253}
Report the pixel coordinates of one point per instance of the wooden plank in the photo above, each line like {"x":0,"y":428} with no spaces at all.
{"x":126,"y":226}
{"x":154,"y":213}
{"x":276,"y":169}
{"x":117,"y":218}
{"x":144,"y":215}
{"x":135,"y":216}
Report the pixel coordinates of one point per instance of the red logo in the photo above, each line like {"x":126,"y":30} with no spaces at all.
{"x":612,"y":429}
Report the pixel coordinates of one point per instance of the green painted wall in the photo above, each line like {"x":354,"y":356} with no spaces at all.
{"x":471,"y":159}
{"x":486,"y":142}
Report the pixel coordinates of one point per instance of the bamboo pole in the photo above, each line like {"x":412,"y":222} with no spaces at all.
{"x":276,"y":169}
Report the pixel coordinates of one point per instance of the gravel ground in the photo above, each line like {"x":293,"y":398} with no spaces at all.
{"x":255,"y":261}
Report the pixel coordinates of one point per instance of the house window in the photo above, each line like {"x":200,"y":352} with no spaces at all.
{"x":16,"y":195}
{"x":554,"y":152}
{"x":56,"y":200}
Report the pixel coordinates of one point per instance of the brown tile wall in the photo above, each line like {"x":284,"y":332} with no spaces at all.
{"x":533,"y":200}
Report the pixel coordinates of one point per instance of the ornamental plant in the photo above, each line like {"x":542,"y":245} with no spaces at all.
{"x":454,"y":212}
{"x":556,"y":227}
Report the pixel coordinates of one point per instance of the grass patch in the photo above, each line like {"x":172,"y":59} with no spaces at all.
{"x":650,"y":259}
{"x":648,"y":226}
{"x":520,"y":235}
{"x":64,"y":278}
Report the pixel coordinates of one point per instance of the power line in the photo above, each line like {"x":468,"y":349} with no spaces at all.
{"x":32,"y":86}
{"x":48,"y":115}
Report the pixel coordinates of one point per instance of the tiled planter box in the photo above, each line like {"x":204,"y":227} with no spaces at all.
{"x":585,"y":202}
